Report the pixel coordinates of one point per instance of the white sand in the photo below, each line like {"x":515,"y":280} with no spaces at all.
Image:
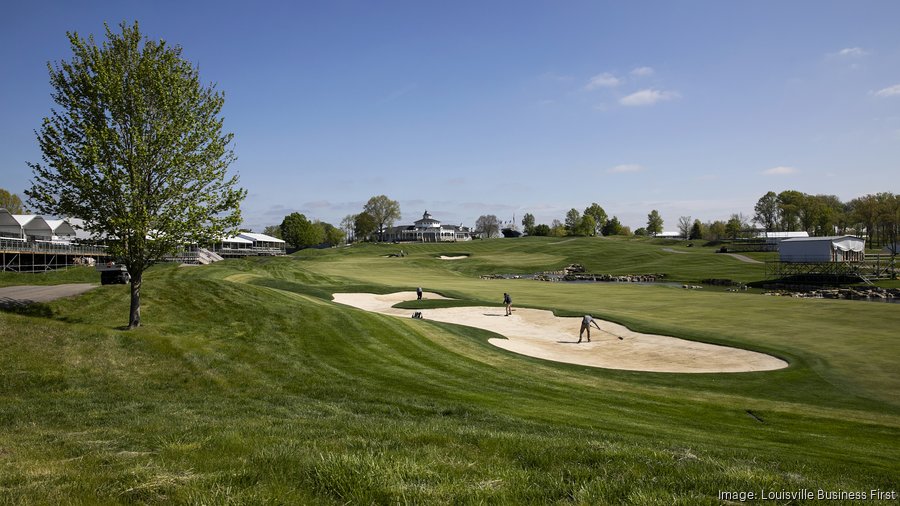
{"x":445,"y":257}
{"x":538,"y":333}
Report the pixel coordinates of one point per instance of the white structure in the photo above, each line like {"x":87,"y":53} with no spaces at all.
{"x":777,"y":237}
{"x":846,"y":248}
{"x":250,"y":244}
{"x":428,"y":229}
{"x":669,"y":235}
{"x":31,"y":227}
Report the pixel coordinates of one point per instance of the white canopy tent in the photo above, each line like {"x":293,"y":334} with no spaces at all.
{"x":12,"y":225}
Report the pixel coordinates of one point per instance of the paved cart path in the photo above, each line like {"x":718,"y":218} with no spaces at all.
{"x":26,"y":294}
{"x":744,"y":258}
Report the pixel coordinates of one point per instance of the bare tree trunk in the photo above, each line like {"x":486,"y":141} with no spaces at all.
{"x":134,"y":320}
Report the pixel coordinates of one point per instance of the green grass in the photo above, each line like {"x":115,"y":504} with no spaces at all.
{"x":247,"y":385}
{"x":70,"y":275}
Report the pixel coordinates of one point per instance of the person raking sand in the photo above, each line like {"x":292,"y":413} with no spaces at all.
{"x":586,"y":325}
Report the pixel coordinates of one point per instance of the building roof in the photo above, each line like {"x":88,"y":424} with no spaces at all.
{"x":237,"y":239}
{"x":24,"y":219}
{"x":259,"y":237}
{"x":783,"y":235}
{"x":831,"y":238}
{"x":61,"y":227}
{"x":668,"y":234}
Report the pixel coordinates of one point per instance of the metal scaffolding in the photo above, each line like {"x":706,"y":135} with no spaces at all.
{"x":22,"y":256}
{"x":872,"y":267}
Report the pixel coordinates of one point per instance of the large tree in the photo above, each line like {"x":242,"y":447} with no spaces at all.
{"x":333,"y":236}
{"x":767,"y":211}
{"x":487,"y":226}
{"x":716,"y":231}
{"x":587,"y":227}
{"x":684,"y":226}
{"x":736,"y":224}
{"x":384,"y":210}
{"x":599,"y":216}
{"x":573,"y":220}
{"x":363,"y":226}
{"x":542,"y":230}
{"x":528,"y":223}
{"x":696,"y":231}
{"x":347,"y":226}
{"x":11,"y":202}
{"x":789,"y":204}
{"x":299,"y":232}
{"x":613,"y":227}
{"x":654,"y":223}
{"x":135,"y":147}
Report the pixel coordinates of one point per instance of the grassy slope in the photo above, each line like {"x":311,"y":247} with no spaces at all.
{"x":247,"y":385}
{"x":70,"y":275}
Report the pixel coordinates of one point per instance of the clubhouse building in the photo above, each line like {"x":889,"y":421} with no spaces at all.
{"x":428,"y":229}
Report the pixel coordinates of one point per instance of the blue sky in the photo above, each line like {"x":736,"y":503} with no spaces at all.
{"x":467,"y":108}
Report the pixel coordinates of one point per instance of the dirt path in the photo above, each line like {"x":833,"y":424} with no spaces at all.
{"x":538,"y":333}
{"x":670,"y":250}
{"x":26,"y":294}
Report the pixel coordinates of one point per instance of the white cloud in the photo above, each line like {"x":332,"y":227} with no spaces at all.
{"x":780,"y":171}
{"x":642,"y":72}
{"x":851,"y":52}
{"x":627,"y":167}
{"x":604,"y":80}
{"x":648,"y":97}
{"x":890,"y":91}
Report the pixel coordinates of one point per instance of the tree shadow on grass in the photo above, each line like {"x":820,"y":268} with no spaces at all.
{"x":25,"y":307}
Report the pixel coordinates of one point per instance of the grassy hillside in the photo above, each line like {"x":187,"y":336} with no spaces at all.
{"x":248,"y":385}
{"x":527,"y":255}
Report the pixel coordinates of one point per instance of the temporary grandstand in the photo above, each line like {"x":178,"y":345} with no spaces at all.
{"x":828,"y":259}
{"x":31,"y":243}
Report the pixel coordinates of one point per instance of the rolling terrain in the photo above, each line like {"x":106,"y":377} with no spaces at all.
{"x":247,"y":384}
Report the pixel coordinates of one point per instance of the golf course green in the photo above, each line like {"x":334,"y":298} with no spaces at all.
{"x":247,"y":383}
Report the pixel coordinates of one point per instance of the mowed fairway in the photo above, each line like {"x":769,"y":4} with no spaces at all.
{"x":249,"y":385}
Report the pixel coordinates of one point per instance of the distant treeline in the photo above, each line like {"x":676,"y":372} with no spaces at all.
{"x":875,"y":217}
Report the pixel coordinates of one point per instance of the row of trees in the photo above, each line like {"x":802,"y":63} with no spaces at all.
{"x":378,"y":214}
{"x":875,"y":216}
{"x":299,"y":232}
{"x":592,"y":222}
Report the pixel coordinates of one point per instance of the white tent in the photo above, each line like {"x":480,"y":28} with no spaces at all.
{"x":62,"y":230}
{"x":778,"y":237}
{"x":846,"y":248}
{"x":260,"y":238}
{"x":11,"y":225}
{"x":669,"y":235}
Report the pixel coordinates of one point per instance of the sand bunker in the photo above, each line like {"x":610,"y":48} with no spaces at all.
{"x":445,"y":257}
{"x":538,"y":333}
